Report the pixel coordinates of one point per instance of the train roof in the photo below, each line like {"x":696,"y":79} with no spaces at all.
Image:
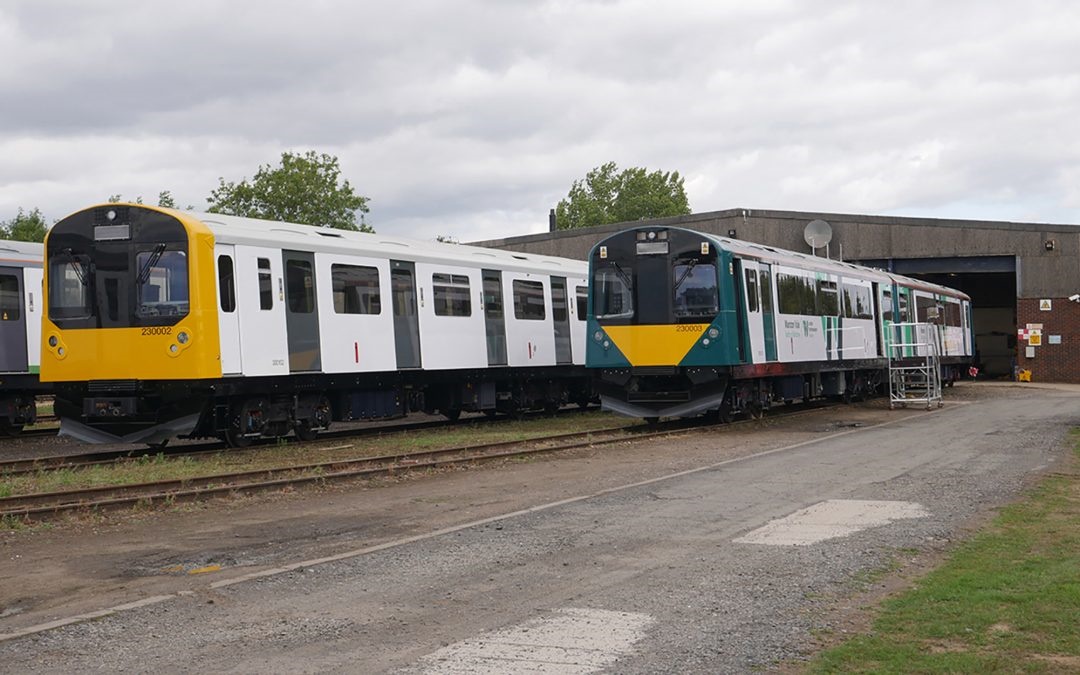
{"x":256,"y":232}
{"x":815,"y":263}
{"x":27,"y":252}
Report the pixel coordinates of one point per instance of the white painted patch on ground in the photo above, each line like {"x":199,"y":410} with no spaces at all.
{"x":569,"y":641}
{"x":829,"y":520}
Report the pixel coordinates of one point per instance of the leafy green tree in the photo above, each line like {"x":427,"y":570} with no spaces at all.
{"x":304,"y":189}
{"x":165,"y":199}
{"x":607,"y":195}
{"x":25,"y":227}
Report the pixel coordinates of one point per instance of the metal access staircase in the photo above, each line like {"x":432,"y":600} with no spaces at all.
{"x":914,"y":353}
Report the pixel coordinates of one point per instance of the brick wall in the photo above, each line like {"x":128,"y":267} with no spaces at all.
{"x":1052,"y":363}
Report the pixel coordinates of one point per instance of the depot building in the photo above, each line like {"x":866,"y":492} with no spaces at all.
{"x":1023,"y":278}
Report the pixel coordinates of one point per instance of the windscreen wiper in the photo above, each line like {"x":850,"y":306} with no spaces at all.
{"x":144,"y":272}
{"x":76,"y":265}
{"x":689,"y":268}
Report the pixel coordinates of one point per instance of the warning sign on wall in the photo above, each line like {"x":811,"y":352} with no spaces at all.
{"x":1045,"y":305}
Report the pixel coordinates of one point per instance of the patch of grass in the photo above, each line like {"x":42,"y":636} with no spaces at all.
{"x":1006,"y":601}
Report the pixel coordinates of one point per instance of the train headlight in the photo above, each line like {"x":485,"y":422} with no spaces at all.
{"x":60,"y":351}
{"x":714,"y":332}
{"x":598,"y":335}
{"x":606,"y":344}
{"x":53,"y":341}
{"x":182,"y":337}
{"x":174,"y":348}
{"x":705,"y":342}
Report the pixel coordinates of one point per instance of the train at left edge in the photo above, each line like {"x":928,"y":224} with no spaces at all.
{"x":20,"y":334}
{"x":161,"y":323}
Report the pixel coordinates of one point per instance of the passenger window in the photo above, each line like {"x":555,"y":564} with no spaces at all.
{"x":356,"y":289}
{"x":828,"y":303}
{"x":226,"y":283}
{"x":796,"y":295}
{"x":886,"y":306}
{"x":765,"y":288}
{"x":751,"y":291}
{"x":582,"y":293}
{"x":10,"y":302}
{"x":529,"y":301}
{"x":300,"y":289}
{"x":266,"y":285}
{"x":451,"y":293}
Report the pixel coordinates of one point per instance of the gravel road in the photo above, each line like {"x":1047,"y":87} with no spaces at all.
{"x":567,"y":565}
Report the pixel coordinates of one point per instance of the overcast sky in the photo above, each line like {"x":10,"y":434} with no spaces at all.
{"x":472,"y":118}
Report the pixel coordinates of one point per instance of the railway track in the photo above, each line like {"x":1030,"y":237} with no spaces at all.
{"x":15,"y":467}
{"x":40,"y":506}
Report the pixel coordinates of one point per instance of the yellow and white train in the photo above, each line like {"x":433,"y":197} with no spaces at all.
{"x":163,"y":323}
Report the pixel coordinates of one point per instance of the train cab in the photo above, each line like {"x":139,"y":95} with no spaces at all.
{"x":664,"y":324}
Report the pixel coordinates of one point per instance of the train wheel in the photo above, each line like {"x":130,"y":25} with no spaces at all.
{"x":756,"y":410}
{"x":247,"y":418}
{"x":304,"y":431}
{"x":452,"y":414}
{"x":720,"y":415}
{"x":9,"y":429}
{"x":308,"y":429}
{"x":159,"y":445}
{"x":652,"y":421}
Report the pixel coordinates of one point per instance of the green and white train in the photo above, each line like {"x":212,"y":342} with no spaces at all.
{"x":683,"y":323}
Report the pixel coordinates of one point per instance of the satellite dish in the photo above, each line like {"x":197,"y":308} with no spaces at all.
{"x":818,"y":233}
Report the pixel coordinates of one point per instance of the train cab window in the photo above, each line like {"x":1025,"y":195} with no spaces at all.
{"x":886,"y":306}
{"x":451,"y":294}
{"x":161,"y":283}
{"x":695,"y":290}
{"x":266,"y":285}
{"x":69,"y":286}
{"x":356,"y":289}
{"x":582,"y":293}
{"x":10,"y":304}
{"x":300,"y":286}
{"x":902,"y":308}
{"x":612,"y":293}
{"x":529,"y":300}
{"x":226,"y":283}
{"x":751,"y":291}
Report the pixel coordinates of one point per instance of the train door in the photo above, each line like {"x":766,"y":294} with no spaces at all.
{"x":755,"y":323}
{"x":494,"y":318}
{"x":406,"y":320}
{"x":228,"y":317}
{"x":560,"y":314}
{"x":905,"y":313}
{"x":12,"y":321}
{"x":301,"y":317}
{"x":768,"y":312}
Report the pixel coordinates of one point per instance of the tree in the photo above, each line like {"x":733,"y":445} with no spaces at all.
{"x":165,"y":199}
{"x":304,"y":189}
{"x":25,"y":227}
{"x":607,"y":195}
